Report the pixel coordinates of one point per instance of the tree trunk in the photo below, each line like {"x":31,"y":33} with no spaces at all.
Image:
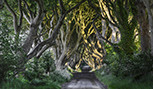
{"x":144,"y":27}
{"x":29,"y":41}
{"x":148,"y":4}
{"x":151,"y":27}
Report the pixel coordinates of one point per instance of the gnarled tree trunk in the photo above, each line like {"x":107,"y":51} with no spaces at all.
{"x":144,"y":27}
{"x":149,"y":6}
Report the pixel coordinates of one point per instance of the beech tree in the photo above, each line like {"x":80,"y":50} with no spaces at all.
{"x":36,"y":15}
{"x":144,"y":27}
{"x":149,"y":7}
{"x":79,"y":30}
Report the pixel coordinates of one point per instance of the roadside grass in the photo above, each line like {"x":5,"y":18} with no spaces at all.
{"x":113,"y":82}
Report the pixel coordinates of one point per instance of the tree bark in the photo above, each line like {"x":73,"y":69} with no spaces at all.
{"x":144,"y":27}
{"x":16,"y":24}
{"x":148,"y":5}
{"x":1,"y":4}
{"x":34,"y":25}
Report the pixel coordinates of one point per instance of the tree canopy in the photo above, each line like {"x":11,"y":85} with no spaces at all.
{"x":77,"y":31}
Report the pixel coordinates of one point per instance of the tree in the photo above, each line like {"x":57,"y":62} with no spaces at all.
{"x":120,"y":13}
{"x":144,"y":27}
{"x":35,"y":15}
{"x":149,"y":7}
{"x":77,"y":29}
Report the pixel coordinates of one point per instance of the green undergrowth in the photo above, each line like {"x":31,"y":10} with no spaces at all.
{"x":53,"y":81}
{"x":113,"y":82}
{"x":18,"y":84}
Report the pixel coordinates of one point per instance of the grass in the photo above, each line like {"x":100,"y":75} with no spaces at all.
{"x":17,"y":84}
{"x":113,"y":82}
{"x":54,"y":81}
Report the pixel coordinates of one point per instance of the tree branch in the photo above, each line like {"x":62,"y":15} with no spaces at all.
{"x":26,"y":17}
{"x":109,"y":11}
{"x":98,"y":33}
{"x":9,"y":8}
{"x":42,"y":50}
{"x":1,"y":4}
{"x":28,"y":8}
{"x":37,"y":49}
{"x":75,"y":6}
{"x":41,"y":12}
{"x":95,"y":8}
{"x":62,"y":6}
{"x":21,"y":13}
{"x":15,"y":23}
{"x":51,"y":25}
{"x":53,"y":36}
{"x":49,"y":40}
{"x":40,"y":6}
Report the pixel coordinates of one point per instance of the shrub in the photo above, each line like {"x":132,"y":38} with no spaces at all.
{"x":55,"y":76}
{"x":134,"y":66}
{"x":114,"y":82}
{"x":18,"y":84}
{"x":8,"y":53}
{"x":14,"y":84}
{"x":41,"y":72}
{"x":38,"y":68}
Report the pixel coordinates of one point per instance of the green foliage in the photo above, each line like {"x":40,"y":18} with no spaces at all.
{"x":51,"y":82}
{"x":57,"y":77}
{"x":134,"y":66}
{"x":35,"y":76}
{"x":8,"y":52}
{"x":14,"y":84}
{"x":123,"y":12}
{"x":18,"y":84}
{"x":127,"y":83}
{"x":40,"y":72}
{"x":39,"y":67}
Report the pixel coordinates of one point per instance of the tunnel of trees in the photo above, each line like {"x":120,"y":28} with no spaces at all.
{"x":43,"y":41}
